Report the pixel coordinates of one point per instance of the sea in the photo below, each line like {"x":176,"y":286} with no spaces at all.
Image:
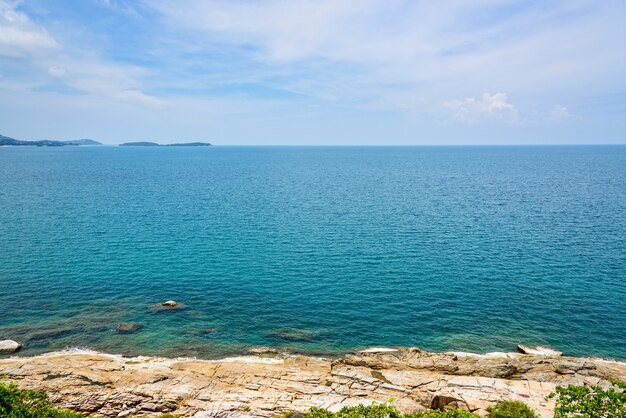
{"x":317,"y":250}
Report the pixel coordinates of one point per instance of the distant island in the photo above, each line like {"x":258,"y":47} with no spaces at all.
{"x":154,"y":144}
{"x":5,"y":140}
{"x":82,"y":142}
{"x":139,"y":144}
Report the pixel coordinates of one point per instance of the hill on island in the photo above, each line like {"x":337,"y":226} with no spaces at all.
{"x":154,"y":144}
{"x":82,"y":142}
{"x":5,"y":140}
{"x":139,"y":144}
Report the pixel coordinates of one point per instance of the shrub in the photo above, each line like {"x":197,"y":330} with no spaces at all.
{"x":375,"y":410}
{"x":24,"y":403}
{"x":435,"y":413}
{"x":383,"y":410}
{"x":590,"y":401}
{"x":510,"y":409}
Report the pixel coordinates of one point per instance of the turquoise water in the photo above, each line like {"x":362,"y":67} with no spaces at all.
{"x":320,"y":250}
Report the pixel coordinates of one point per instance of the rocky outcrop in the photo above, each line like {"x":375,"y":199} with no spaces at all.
{"x":108,"y":385}
{"x":9,"y":346}
{"x":511,"y":366}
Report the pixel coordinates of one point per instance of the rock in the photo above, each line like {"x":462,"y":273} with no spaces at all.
{"x":539,"y":351}
{"x":263,"y":350}
{"x":9,"y":346}
{"x":256,"y":387}
{"x":443,"y":402}
{"x":169,"y":305}
{"x":379,"y":350}
{"x":128,"y":328}
{"x":293,"y":334}
{"x":153,"y":407}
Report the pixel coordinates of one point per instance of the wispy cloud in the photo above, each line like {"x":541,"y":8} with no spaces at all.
{"x":490,"y":107}
{"x":407,"y":56}
{"x":43,"y":61}
{"x":559,"y":113}
{"x":506,"y":61}
{"x":19,"y":36}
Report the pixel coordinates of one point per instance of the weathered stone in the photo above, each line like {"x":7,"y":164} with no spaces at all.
{"x":538,"y":350}
{"x":111,"y":386}
{"x":153,"y":407}
{"x":9,"y":346}
{"x":263,"y":350}
{"x":169,"y":305}
{"x":379,"y":350}
{"x":444,"y":402}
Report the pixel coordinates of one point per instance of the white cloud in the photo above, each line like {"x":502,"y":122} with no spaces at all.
{"x":90,"y":74}
{"x":490,"y":107}
{"x":57,"y":71}
{"x":559,"y":113}
{"x":19,"y":36}
{"x":42,"y":60}
{"x":426,"y":43}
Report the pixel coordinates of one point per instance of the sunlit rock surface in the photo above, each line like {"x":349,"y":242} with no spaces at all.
{"x":255,"y":386}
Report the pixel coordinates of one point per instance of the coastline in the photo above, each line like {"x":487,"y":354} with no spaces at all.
{"x":266,"y":382}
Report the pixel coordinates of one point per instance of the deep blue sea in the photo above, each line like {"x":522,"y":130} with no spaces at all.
{"x":314,"y":249}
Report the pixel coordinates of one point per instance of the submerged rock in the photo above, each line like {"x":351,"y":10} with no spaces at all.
{"x":539,"y":351}
{"x":293,"y":334}
{"x":128,"y":328}
{"x":169,"y":305}
{"x":9,"y":346}
{"x":263,"y":350}
{"x":200,"y":331}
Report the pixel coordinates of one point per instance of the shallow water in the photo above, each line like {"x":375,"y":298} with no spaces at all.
{"x":321,"y":250}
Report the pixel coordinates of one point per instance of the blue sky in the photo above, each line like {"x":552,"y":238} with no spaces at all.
{"x":327,"y":72}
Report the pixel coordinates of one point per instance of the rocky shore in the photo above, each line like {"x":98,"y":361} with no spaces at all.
{"x":268,"y":383}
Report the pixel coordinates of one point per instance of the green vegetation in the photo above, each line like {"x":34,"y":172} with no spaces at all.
{"x":504,"y":409}
{"x":435,"y":413}
{"x":511,"y":409}
{"x":590,"y":401}
{"x":380,"y":410}
{"x":24,"y":403}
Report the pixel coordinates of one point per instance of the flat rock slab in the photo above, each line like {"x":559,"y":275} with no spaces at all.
{"x":9,"y":346}
{"x":539,"y":350}
{"x":111,"y":386}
